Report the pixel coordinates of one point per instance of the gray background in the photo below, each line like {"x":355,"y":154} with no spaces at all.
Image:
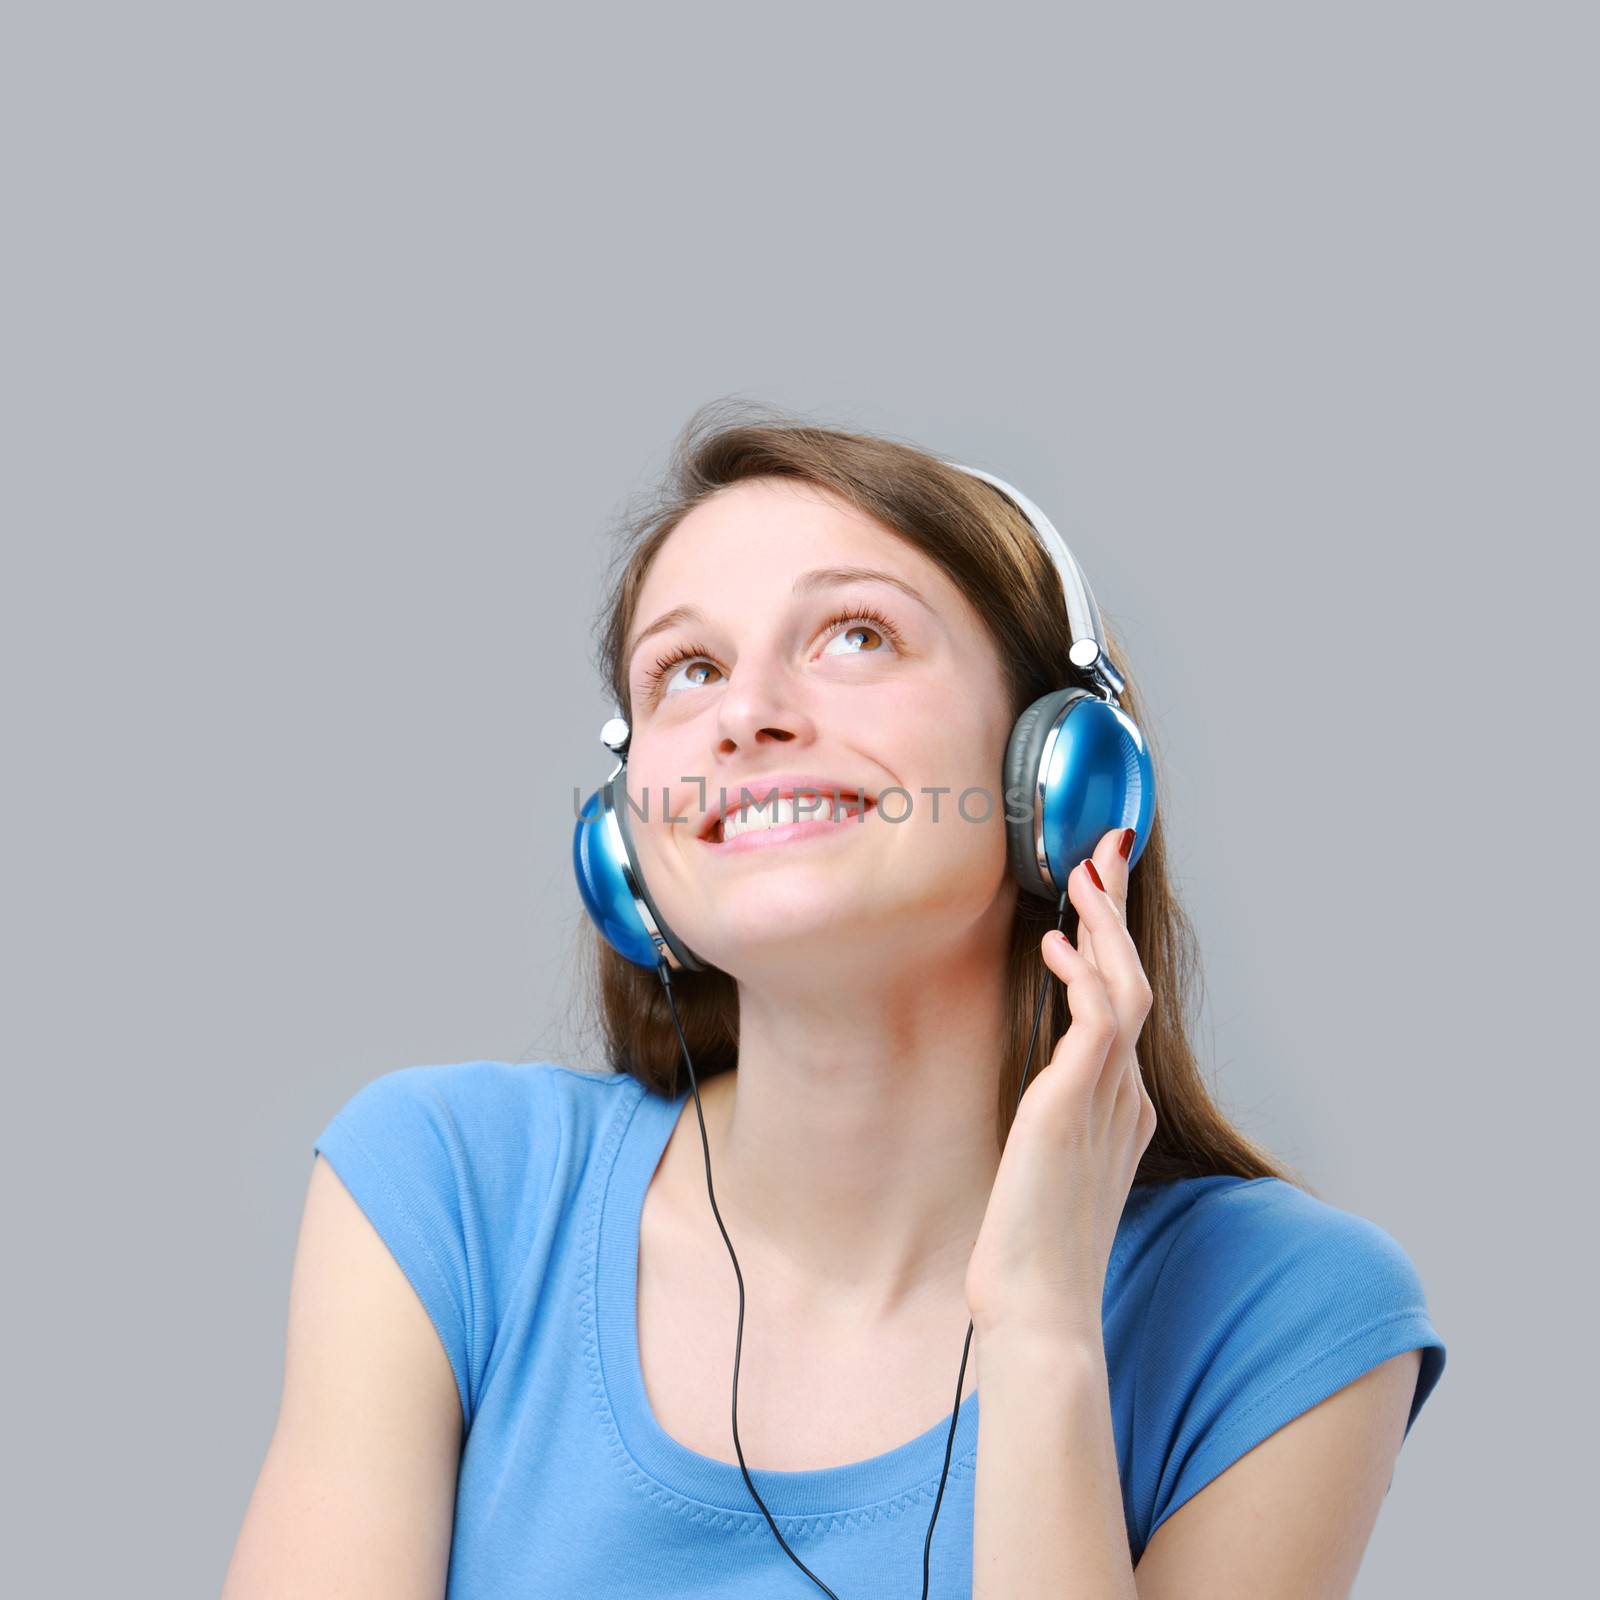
{"x":335,"y":339}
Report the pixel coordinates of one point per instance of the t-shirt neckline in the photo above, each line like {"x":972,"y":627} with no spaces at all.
{"x":909,"y":1473}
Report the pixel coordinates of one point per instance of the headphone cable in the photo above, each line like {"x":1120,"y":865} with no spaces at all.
{"x":738,"y":1344}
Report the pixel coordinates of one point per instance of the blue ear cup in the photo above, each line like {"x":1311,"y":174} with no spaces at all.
{"x":610,"y":881}
{"x":1076,"y":766}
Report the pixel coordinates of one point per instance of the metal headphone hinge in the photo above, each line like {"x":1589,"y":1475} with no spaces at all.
{"x":1087,"y":656}
{"x":615,"y":735}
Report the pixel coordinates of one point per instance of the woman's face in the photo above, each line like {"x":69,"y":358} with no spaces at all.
{"x":788,"y":672}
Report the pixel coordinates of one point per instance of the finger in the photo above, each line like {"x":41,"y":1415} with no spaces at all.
{"x":1092,"y":1056}
{"x":1086,"y":1045}
{"x":1116,"y":958}
{"x":1112,"y":866}
{"x":1085,"y":941}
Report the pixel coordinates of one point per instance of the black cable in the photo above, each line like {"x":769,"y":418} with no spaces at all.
{"x":738,"y":1343}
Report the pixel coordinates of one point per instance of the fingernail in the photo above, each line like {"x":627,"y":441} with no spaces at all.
{"x":1125,"y":849}
{"x":1088,"y":861}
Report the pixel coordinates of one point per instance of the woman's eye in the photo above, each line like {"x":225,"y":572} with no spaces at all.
{"x":850,"y":633}
{"x":697,"y":665}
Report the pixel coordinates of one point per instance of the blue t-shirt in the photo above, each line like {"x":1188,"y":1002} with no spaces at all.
{"x":510,"y":1195}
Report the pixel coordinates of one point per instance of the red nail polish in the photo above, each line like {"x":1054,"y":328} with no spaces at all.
{"x":1088,"y":861}
{"x":1125,"y":849}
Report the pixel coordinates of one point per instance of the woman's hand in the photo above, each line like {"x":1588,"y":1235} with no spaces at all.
{"x":1039,"y":1264}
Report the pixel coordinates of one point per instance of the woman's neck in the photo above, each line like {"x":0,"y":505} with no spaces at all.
{"x":855,"y":1144}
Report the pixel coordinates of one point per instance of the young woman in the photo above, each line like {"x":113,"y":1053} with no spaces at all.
{"x":514,"y":1321}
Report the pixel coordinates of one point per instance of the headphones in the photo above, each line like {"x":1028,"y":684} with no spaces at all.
{"x":1076,"y":766}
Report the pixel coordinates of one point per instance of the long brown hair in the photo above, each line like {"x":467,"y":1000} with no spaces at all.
{"x":987,"y":547}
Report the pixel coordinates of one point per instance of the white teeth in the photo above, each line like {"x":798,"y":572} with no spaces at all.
{"x":778,"y":811}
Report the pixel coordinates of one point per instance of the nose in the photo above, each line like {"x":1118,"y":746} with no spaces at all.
{"x":758,"y":706}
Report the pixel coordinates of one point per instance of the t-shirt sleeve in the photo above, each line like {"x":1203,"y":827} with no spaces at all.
{"x":1268,"y":1301}
{"x":446,"y":1162}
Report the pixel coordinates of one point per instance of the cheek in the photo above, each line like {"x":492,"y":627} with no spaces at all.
{"x":956,"y":805}
{"x":657,"y":793}
{"x":967,"y":751}
{"x":968,"y":762}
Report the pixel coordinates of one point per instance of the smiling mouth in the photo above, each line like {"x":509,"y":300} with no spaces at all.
{"x":811,"y":813}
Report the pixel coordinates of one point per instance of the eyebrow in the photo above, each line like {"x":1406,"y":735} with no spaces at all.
{"x":806,"y":583}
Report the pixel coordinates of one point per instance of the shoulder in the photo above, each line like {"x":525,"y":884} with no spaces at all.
{"x":482,"y":1142}
{"x":460,"y":1166}
{"x":1258,"y":1301}
{"x":1245,"y":1236}
{"x":479,"y":1104}
{"x":1271,"y":1210}
{"x":1262,"y":1289}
